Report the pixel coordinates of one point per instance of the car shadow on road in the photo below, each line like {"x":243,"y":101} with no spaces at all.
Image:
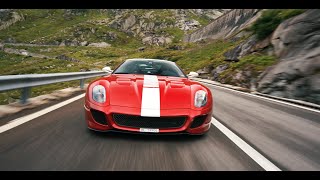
{"x":146,"y":136}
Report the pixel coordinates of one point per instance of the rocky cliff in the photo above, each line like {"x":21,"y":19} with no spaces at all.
{"x":296,"y":43}
{"x":284,"y":64}
{"x":225,"y":26}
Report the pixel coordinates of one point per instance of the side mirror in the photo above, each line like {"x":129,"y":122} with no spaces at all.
{"x":107,"y":69}
{"x":193,"y":74}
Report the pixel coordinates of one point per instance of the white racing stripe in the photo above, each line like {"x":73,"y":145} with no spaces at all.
{"x":21,"y":120}
{"x":251,"y":152}
{"x":150,"y":103}
{"x":150,"y":81}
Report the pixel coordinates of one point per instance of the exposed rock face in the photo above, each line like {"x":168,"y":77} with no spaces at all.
{"x":249,"y":46}
{"x":73,"y":42}
{"x":129,"y":22}
{"x":242,"y":78}
{"x":156,"y":40}
{"x":10,"y":40}
{"x":24,"y":52}
{"x":298,"y":35}
{"x":5,"y":14}
{"x":233,"y":54}
{"x":84,"y":43}
{"x":262,"y":45}
{"x":204,"y":71}
{"x":225,"y":26}
{"x":296,"y":42}
{"x":66,"y":58}
{"x":101,"y":44}
{"x":175,"y":47}
{"x":9,"y":17}
{"x":141,"y":48}
{"x":70,"y":13}
{"x":188,"y":25}
{"x":151,"y":28}
{"x":218,"y":70}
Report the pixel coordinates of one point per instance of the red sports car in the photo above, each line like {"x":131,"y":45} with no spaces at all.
{"x":148,"y":96}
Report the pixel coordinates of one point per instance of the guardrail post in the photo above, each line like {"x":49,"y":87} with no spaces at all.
{"x":81,"y":83}
{"x":25,"y":95}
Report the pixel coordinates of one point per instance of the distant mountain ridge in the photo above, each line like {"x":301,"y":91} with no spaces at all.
{"x":78,"y":26}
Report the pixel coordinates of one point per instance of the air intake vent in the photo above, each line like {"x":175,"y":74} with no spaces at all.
{"x":198,"y":121}
{"x":149,"y":122}
{"x":99,"y":117}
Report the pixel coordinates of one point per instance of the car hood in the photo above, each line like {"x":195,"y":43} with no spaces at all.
{"x":128,"y":90}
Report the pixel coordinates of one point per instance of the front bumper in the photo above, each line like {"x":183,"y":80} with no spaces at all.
{"x":111,"y":125}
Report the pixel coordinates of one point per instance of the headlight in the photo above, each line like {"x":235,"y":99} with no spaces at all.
{"x":99,"y":94}
{"x":200,"y":98}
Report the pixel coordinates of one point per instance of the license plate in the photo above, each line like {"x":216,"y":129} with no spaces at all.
{"x":149,"y":130}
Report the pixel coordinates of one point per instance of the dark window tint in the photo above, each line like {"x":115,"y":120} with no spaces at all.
{"x":149,"y":67}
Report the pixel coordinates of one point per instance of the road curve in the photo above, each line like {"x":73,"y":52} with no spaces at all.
{"x":286,"y":135}
{"x":60,"y":140}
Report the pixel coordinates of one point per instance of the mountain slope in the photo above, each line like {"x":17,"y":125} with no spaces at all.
{"x":113,"y":26}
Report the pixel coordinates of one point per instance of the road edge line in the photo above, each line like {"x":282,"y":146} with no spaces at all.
{"x":16,"y":122}
{"x":245,"y":147}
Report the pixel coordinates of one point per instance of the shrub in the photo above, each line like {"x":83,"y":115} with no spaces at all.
{"x":270,"y":19}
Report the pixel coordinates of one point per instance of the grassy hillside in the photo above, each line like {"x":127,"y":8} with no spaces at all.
{"x":41,"y":24}
{"x":50,"y":26}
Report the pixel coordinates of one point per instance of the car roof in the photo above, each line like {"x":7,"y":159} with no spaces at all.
{"x":144,"y":59}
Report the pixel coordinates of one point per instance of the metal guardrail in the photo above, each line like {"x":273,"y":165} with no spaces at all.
{"x":27,"y":81}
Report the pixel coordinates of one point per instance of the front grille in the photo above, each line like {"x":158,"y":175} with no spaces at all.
{"x":99,"y":116}
{"x":198,"y":121}
{"x":149,"y":122}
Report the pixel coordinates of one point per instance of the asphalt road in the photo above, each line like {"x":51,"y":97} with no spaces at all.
{"x":287,"y":136}
{"x":60,"y":141}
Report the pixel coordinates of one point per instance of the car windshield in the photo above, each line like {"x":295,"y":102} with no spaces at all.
{"x":150,"y":67}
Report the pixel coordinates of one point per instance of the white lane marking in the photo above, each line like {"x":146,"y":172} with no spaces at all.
{"x":265,"y":98}
{"x":150,"y":103}
{"x":251,"y":152}
{"x":24,"y":119}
